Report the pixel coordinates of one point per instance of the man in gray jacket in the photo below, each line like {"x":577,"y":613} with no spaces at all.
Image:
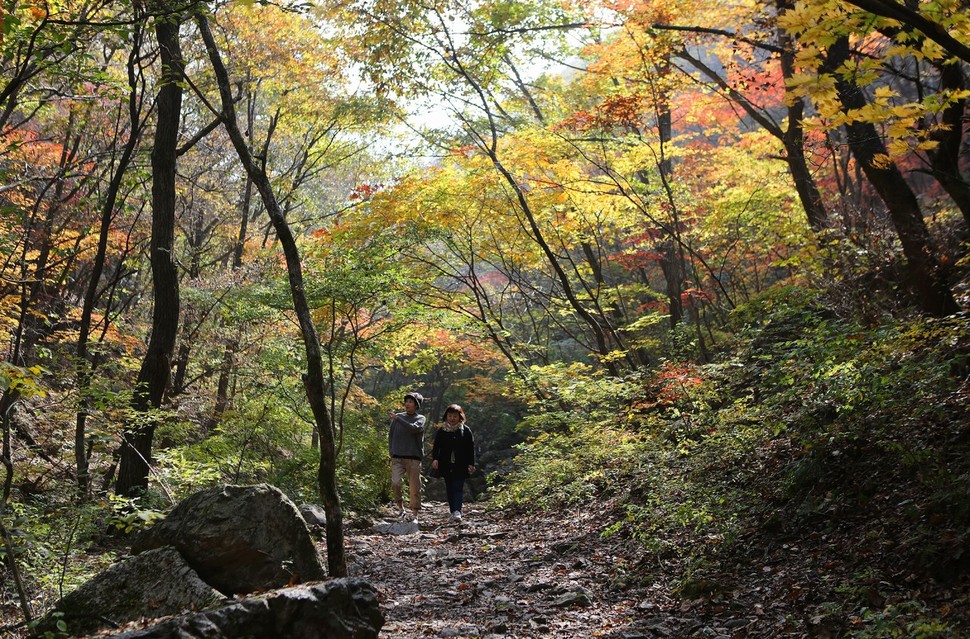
{"x":405,"y":445}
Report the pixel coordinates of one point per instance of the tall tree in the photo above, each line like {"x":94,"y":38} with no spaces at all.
{"x":845,"y":82}
{"x":925,"y":273}
{"x":314,"y":378}
{"x":154,"y":375}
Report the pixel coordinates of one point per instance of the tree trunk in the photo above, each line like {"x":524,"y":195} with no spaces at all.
{"x":945,"y":158}
{"x":616,"y":316}
{"x":313,"y":379}
{"x":793,"y":137}
{"x":670,"y":266}
{"x":671,"y":262}
{"x":155,"y":373}
{"x":180,"y":365}
{"x":926,"y":278}
{"x":7,"y":400}
{"x":222,"y":387}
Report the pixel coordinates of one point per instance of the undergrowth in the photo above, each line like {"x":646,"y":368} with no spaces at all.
{"x":848,"y":442}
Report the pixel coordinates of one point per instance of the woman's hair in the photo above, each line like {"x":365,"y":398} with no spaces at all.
{"x":453,"y":408}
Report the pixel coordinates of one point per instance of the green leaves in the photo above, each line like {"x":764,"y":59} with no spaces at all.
{"x":129,"y":515}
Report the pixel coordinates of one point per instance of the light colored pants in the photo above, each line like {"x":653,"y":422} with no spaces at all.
{"x":412,"y":468}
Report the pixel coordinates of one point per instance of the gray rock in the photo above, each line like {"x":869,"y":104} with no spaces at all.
{"x":338,"y":609}
{"x":653,"y":624}
{"x":577,"y":597}
{"x":657,"y":626}
{"x":397,"y":528}
{"x":734,"y":624}
{"x":314,"y":515}
{"x":503,"y":603}
{"x":154,"y":584}
{"x":239,"y":539}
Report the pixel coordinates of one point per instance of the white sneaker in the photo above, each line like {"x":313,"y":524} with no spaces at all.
{"x":456,"y":516}
{"x":401,"y":513}
{"x":414,"y":518}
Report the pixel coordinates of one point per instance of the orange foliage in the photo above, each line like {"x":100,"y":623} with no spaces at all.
{"x":615,"y":111}
{"x":364,"y":192}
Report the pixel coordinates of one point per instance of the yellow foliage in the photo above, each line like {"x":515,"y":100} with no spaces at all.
{"x":905,"y":122}
{"x":883,"y":94}
{"x":881,"y":161}
{"x":931,"y":50}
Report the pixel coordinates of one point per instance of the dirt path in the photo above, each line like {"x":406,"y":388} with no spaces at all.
{"x":546,"y":576}
{"x":554,"y":575}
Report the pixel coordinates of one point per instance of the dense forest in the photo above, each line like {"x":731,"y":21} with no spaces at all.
{"x":701,"y":267}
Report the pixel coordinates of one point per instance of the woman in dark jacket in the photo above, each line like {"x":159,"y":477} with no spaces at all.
{"x":453,"y":456}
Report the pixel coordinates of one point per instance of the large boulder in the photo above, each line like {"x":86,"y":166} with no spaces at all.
{"x":339,"y":609}
{"x":154,"y":584}
{"x":239,"y":539}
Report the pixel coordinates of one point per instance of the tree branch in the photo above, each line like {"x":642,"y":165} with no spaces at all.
{"x":932,"y":30}
{"x":721,"y":32}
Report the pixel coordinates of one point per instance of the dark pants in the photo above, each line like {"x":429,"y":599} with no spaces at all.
{"x":455,"y":489}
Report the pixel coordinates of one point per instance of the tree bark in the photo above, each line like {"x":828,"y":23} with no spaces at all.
{"x":155,"y":373}
{"x":793,"y":137}
{"x":945,"y":159}
{"x":671,"y":262}
{"x":907,"y":15}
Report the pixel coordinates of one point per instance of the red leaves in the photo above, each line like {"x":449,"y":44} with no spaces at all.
{"x":364,"y":192}
{"x":693,"y":296}
{"x":625,"y":111}
{"x":636,"y":259}
{"x":674,"y":381}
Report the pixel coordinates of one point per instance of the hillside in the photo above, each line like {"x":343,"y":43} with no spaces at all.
{"x":813,"y":482}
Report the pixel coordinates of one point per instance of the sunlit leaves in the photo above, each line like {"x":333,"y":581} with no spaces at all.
{"x":283,"y":52}
{"x":23,"y":381}
{"x":750,"y":224}
{"x":883,"y":46}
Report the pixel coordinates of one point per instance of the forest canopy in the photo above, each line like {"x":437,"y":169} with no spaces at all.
{"x":234,"y":234}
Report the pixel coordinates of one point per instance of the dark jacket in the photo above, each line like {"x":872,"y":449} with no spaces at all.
{"x":455,"y":451}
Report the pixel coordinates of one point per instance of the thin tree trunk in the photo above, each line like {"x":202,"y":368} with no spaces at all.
{"x":313,"y":380}
{"x":793,"y":137}
{"x":671,"y":261}
{"x":232,"y":345}
{"x":945,"y":158}
{"x":85,"y":368}
{"x":7,"y":401}
{"x":222,"y":386}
